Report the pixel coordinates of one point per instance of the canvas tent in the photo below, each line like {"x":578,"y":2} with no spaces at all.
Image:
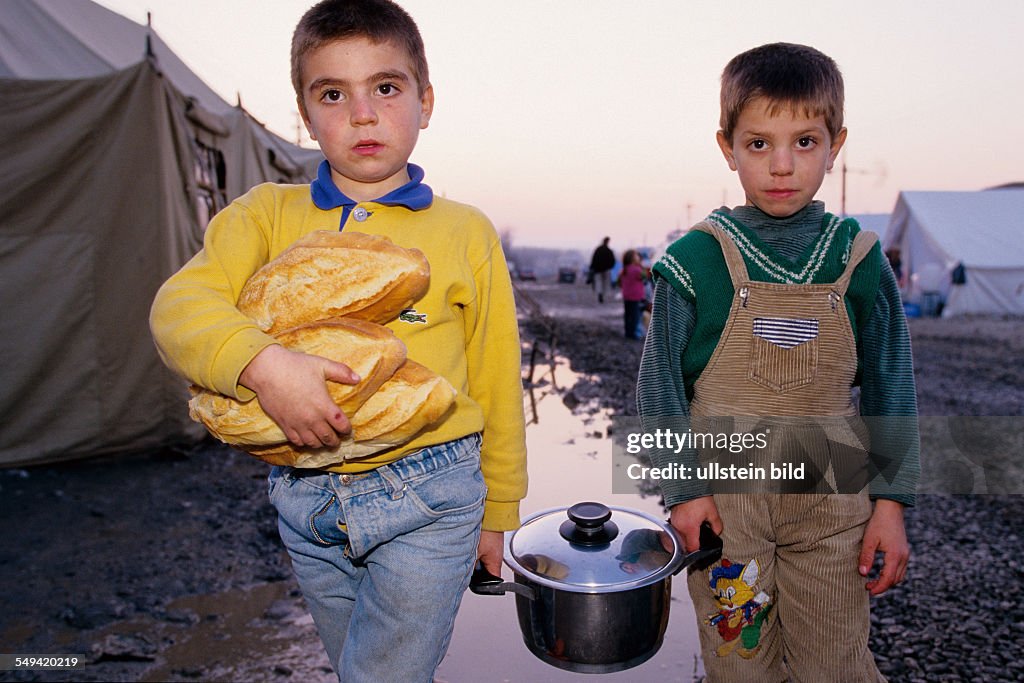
{"x":981,"y":231}
{"x":114,"y":156}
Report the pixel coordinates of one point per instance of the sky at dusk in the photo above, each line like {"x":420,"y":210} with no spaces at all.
{"x":569,"y":120}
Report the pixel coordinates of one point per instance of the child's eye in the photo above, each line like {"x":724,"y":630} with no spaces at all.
{"x":387,"y":89}
{"x":805,"y":142}
{"x":758,"y":144}
{"x":332,"y":95}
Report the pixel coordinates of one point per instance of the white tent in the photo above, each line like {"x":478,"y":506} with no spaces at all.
{"x":938,"y":232}
{"x":114,"y":156}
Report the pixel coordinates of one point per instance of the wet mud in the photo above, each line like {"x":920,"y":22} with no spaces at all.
{"x":166,"y":565}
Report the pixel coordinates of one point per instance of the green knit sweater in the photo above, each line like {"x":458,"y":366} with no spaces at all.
{"x":692,"y":297}
{"x":696,"y":261}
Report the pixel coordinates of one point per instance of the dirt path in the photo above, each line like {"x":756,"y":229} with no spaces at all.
{"x":167,"y":566}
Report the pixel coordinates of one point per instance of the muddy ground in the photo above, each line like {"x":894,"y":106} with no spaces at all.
{"x":166,"y":565}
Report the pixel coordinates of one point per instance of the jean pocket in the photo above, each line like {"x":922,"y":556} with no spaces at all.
{"x":783,"y":353}
{"x":449,"y":490}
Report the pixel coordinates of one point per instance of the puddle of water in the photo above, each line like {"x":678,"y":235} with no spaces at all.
{"x":226,"y":636}
{"x":567,"y":464}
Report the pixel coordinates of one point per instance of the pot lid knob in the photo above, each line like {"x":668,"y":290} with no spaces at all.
{"x":589,"y":524}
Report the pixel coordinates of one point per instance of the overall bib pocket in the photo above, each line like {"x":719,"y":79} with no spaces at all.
{"x":783,"y":352}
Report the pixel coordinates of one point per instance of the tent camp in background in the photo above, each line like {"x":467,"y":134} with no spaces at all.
{"x":962,"y":252}
{"x":114,"y":157}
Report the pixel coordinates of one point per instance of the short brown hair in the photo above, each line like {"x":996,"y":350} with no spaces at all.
{"x":380,"y":21}
{"x":788,"y":76}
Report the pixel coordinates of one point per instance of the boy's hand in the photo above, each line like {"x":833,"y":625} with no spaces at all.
{"x":885,"y":533}
{"x":292,"y":389}
{"x":489,"y":550}
{"x":687,"y":517}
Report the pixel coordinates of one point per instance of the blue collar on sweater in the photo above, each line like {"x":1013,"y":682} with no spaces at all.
{"x":413,"y":195}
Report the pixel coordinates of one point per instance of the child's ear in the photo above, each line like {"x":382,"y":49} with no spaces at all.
{"x":725,"y":144}
{"x":426,"y":106}
{"x":837,"y":145}
{"x":305,"y":118}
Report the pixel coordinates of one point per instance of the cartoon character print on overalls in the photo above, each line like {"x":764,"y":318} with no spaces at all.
{"x":786,"y":351}
{"x":741,"y":612}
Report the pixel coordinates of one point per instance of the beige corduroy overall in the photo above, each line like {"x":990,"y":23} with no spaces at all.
{"x":786,"y":601}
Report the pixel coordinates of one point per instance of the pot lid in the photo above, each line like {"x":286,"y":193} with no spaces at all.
{"x":593,"y":548}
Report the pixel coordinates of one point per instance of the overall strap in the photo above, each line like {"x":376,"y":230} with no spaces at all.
{"x":862,"y":245}
{"x":733,"y":258}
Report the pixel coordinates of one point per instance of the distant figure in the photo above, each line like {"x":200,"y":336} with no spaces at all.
{"x":601,"y":264}
{"x":633,"y":293}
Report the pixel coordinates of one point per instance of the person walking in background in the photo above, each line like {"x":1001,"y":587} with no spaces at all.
{"x":601,"y":264}
{"x":633,"y":293}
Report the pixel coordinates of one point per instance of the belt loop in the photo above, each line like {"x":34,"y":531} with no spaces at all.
{"x":393,"y":483}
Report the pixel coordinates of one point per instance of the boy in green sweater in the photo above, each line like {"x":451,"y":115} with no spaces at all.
{"x":778,"y":308}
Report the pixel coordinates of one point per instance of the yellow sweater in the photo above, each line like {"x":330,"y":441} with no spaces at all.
{"x":465,"y":328}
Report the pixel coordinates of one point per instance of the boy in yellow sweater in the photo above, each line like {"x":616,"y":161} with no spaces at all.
{"x":382,"y":547}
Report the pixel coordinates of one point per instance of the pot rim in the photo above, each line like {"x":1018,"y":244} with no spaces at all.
{"x":671,"y":567}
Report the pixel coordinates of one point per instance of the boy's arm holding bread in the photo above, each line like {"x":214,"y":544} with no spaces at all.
{"x":201,"y":334}
{"x":291,"y":387}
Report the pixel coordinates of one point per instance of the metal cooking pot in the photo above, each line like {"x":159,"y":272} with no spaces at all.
{"x":593,"y":584}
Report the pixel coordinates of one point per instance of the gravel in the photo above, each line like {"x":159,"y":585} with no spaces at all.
{"x":166,"y":565}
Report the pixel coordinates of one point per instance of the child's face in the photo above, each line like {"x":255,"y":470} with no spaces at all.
{"x":781,"y":159}
{"x":363,"y":108}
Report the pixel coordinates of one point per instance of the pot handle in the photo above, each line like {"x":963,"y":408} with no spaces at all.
{"x":708,"y":553}
{"x":485,"y":583}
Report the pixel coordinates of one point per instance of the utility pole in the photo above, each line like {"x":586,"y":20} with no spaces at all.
{"x":843,"y":171}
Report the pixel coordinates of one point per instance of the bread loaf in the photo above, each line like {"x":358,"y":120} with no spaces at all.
{"x":329,"y":274}
{"x":412,"y":399}
{"x":371,"y":350}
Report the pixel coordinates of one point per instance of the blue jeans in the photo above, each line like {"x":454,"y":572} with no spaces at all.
{"x":384,"y":557}
{"x":633,"y":313}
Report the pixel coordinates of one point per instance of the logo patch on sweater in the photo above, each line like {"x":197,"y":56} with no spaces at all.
{"x":410,"y":315}
{"x":786,"y":332}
